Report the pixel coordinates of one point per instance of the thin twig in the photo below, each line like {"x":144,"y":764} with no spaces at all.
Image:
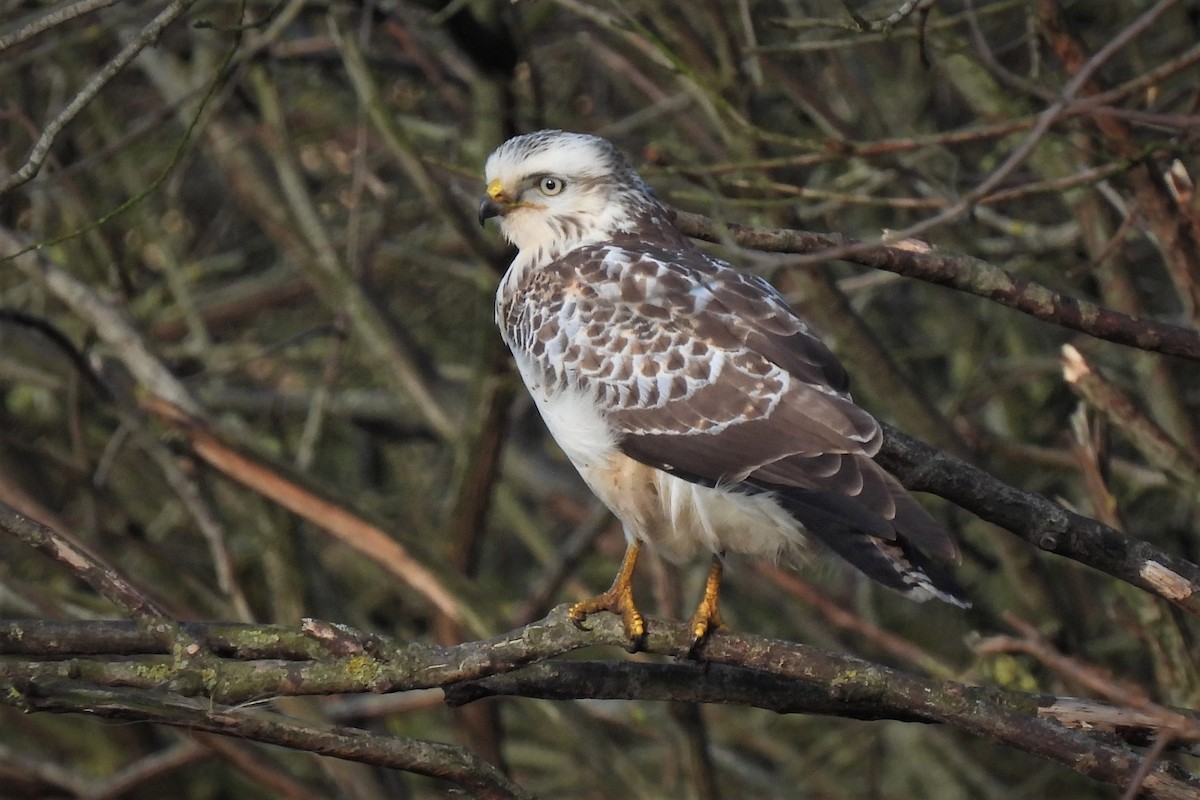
{"x":50,"y":19}
{"x":41,"y":148}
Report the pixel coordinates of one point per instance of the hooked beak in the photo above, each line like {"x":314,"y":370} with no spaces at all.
{"x":495,"y":203}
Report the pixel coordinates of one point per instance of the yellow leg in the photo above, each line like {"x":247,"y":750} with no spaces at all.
{"x":707,"y":616}
{"x":618,"y":599}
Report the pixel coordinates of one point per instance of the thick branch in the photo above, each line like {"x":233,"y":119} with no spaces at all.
{"x":741,"y":669}
{"x":694,"y":682}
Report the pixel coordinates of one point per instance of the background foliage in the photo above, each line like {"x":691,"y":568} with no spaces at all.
{"x":265,"y":218}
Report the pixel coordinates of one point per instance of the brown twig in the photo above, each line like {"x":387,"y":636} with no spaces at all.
{"x":1121,"y":409}
{"x":1032,"y":643}
{"x":147,"y":769}
{"x":91,"y":569}
{"x":966,"y":274}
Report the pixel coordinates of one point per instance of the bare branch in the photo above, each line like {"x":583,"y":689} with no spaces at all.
{"x":100,"y":576}
{"x":782,"y":676}
{"x":45,"y":20}
{"x":436,"y":760}
{"x":1040,"y":522}
{"x":41,"y":148}
{"x":966,"y":274}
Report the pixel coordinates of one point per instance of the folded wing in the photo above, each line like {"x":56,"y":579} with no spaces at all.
{"x":708,"y":374}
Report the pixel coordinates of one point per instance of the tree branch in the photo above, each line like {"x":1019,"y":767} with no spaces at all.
{"x":41,"y":148}
{"x":100,"y":576}
{"x":966,"y":274}
{"x":782,"y":676}
{"x":434,"y":759}
{"x":1039,"y":521}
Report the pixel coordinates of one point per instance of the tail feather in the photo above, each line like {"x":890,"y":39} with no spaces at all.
{"x":891,"y":560}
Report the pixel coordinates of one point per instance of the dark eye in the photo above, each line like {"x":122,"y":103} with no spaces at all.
{"x":550,"y":186}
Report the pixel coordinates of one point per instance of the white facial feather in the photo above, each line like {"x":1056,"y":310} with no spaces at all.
{"x":596,"y":199}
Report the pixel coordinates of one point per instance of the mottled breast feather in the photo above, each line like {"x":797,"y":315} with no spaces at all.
{"x":703,"y":371}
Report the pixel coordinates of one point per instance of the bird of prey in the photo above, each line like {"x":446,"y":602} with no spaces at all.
{"x":695,"y":403}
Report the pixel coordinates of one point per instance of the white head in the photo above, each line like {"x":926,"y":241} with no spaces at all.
{"x":554,"y":191}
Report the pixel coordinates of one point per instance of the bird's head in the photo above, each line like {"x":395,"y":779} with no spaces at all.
{"x":554,"y":191}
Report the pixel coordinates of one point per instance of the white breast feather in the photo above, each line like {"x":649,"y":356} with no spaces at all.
{"x":675,"y":517}
{"x":573,"y":418}
{"x":702,"y":519}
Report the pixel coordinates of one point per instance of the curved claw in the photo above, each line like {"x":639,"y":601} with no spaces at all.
{"x":619,"y":600}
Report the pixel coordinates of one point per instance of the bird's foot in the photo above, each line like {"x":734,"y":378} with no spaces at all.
{"x":618,"y":602}
{"x":707,"y":617}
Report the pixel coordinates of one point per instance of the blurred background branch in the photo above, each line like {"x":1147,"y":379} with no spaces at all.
{"x":249,"y":371}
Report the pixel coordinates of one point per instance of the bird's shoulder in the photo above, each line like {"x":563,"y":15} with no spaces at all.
{"x":631,"y":270}
{"x":629,"y":288}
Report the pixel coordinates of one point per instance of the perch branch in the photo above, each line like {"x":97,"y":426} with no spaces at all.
{"x":739,"y":668}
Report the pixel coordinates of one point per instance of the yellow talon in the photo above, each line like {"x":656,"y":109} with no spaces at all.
{"x":707,"y":616}
{"x":619,"y":600}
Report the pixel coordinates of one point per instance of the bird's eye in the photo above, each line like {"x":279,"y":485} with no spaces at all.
{"x":550,"y":186}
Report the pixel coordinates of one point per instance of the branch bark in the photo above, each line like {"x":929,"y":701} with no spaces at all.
{"x":434,"y":759}
{"x":966,"y":274}
{"x":1041,"y":522}
{"x":782,"y":676}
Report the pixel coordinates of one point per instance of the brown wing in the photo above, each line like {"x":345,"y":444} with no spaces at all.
{"x":707,"y":373}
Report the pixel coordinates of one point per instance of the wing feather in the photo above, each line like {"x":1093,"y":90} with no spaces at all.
{"x":708,"y":373}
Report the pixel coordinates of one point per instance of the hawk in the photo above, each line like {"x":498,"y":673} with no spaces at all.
{"x":694,"y":402}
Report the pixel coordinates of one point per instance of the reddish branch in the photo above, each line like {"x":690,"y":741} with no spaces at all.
{"x":291,"y":492}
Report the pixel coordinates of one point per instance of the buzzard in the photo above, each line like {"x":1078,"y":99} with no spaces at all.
{"x":693,"y":401}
